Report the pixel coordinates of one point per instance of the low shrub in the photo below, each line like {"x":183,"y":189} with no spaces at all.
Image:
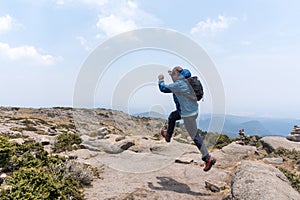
{"x":65,"y":142}
{"x":81,"y":173}
{"x":293,"y":178}
{"x":31,"y":174}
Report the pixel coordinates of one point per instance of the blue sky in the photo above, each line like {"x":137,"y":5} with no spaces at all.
{"x":255,"y":46}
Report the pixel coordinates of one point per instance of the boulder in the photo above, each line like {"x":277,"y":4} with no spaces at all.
{"x":294,"y":138}
{"x":52,"y":130}
{"x":45,"y":141}
{"x":271,"y":143}
{"x":258,"y":181}
{"x":102,"y":132}
{"x":238,"y":150}
{"x":216,"y":186}
{"x":276,"y":161}
{"x":116,"y":148}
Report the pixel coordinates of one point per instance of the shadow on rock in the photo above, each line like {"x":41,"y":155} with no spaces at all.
{"x":169,"y":184}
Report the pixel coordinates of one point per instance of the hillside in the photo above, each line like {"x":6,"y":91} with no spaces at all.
{"x":124,"y":157}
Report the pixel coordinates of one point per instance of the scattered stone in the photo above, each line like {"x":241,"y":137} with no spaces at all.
{"x":276,"y":161}
{"x":45,"y":141}
{"x":71,"y":156}
{"x":184,"y":161}
{"x":126,"y":144}
{"x":102,"y":132}
{"x":53,"y":127}
{"x":120,"y":138}
{"x":138,"y":149}
{"x":253,"y":141}
{"x":106,"y":137}
{"x":52,"y":130}
{"x":215,"y":187}
{"x":258,"y":181}
{"x":2,"y":178}
{"x":89,"y":147}
{"x":17,"y":140}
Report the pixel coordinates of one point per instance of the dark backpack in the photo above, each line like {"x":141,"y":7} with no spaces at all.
{"x":196,"y":86}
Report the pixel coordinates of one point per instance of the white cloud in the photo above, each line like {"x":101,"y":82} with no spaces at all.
{"x":6,"y":23}
{"x":213,"y":26}
{"x":90,"y":2}
{"x":122,"y":17}
{"x":113,"y":25}
{"x":83,"y":43}
{"x":26,"y":54}
{"x":114,"y":17}
{"x":97,"y":2}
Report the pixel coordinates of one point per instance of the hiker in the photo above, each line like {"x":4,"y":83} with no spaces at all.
{"x":189,"y":112}
{"x":175,"y":115}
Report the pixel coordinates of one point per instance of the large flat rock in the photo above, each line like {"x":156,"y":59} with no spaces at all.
{"x":258,"y":181}
{"x":229,"y":155}
{"x":271,"y":143}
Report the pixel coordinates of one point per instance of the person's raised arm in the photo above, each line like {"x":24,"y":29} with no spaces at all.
{"x":161,"y":84}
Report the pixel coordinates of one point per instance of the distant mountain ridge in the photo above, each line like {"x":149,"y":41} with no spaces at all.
{"x":252,"y":125}
{"x":261,"y":126}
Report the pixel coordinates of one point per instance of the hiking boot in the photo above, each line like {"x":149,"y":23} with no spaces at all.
{"x":165,"y":135}
{"x":211,"y":161}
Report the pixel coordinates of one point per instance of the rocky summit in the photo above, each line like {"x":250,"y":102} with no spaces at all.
{"x":137,"y":163}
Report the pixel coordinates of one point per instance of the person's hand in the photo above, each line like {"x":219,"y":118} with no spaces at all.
{"x":161,"y":76}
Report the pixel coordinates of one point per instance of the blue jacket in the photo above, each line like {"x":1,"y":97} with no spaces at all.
{"x":186,"y":73}
{"x":179,"y":88}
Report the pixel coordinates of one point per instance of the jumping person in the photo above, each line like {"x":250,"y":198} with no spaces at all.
{"x":189,"y":111}
{"x":175,"y":115}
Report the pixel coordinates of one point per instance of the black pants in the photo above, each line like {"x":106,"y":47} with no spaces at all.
{"x":173,"y":117}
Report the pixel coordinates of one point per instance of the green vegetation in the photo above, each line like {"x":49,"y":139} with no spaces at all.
{"x":252,"y":140}
{"x":215,"y":140}
{"x":69,"y":126}
{"x":223,"y":141}
{"x":293,"y":178}
{"x":66,"y":141}
{"x":32,"y":174}
{"x":294,"y":155}
{"x":25,"y":128}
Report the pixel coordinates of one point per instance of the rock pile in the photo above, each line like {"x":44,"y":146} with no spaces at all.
{"x":295,"y":134}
